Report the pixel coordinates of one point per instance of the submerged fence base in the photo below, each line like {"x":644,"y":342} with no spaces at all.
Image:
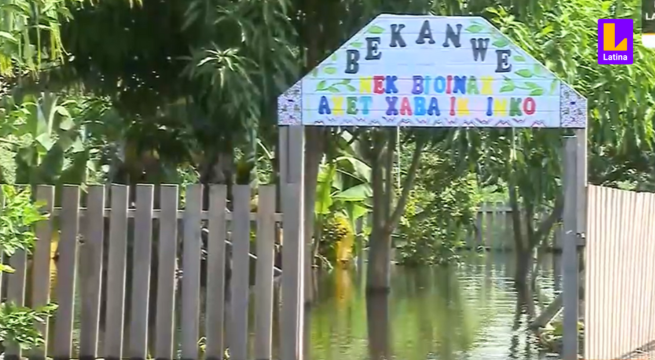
{"x":113,"y":269}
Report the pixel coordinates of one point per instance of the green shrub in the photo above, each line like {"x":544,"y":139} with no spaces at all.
{"x":436,"y":220}
{"x":17,"y":219}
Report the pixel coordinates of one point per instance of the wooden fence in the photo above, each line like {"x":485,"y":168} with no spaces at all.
{"x":98,"y":232}
{"x":620,"y":273}
{"x":494,"y":229}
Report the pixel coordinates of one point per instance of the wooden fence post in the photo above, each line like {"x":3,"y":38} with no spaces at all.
{"x":264,"y":279}
{"x":238,"y":341}
{"x":570,"y":251}
{"x":91,"y":258}
{"x":167,"y":263}
{"x":70,"y":208}
{"x":41,"y":260}
{"x":293,"y":291}
{"x":192,"y":247}
{"x":215,"y":322}
{"x":117,"y":261}
{"x":141,"y":263}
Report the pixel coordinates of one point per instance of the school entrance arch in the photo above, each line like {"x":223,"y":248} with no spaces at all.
{"x":428,"y":71}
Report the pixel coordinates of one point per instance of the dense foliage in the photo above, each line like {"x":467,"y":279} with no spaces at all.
{"x":441,"y":212}
{"x":17,"y":219}
{"x":435,"y":224}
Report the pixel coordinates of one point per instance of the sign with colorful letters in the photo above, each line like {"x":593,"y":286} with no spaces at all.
{"x":431,"y":71}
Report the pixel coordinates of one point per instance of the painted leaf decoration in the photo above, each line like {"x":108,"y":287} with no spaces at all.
{"x":321,"y":85}
{"x":537,"y":92}
{"x":332,"y":89}
{"x":334,"y":57}
{"x":315,"y":72}
{"x":507,"y":87}
{"x":553,"y":86}
{"x":356,"y":44}
{"x":351,"y":88}
{"x":519,"y":58}
{"x":538,"y":69}
{"x":330,"y":70}
{"x":532,"y":85}
{"x":345,"y":81}
{"x":375,"y":30}
{"x":475,"y":28}
{"x":502,"y":42}
{"x":524,"y":73}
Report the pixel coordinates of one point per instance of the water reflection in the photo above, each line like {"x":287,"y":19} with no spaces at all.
{"x":377,"y":320}
{"x":466,"y":312}
{"x":459,"y":313}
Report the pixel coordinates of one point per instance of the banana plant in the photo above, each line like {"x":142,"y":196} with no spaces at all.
{"x":343,"y":188}
{"x":48,"y":139}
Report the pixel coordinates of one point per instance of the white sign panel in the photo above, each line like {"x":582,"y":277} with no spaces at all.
{"x":406,"y":70}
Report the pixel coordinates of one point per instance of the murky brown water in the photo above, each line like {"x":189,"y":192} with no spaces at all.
{"x":447,"y":313}
{"x":466,"y":312}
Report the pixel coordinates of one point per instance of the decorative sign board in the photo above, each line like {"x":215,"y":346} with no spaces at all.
{"x":407,"y":70}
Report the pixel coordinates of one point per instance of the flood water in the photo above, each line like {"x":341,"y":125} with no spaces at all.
{"x":455,"y":313}
{"x":448,"y":313}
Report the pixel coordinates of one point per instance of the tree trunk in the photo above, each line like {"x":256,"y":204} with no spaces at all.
{"x":217,"y":168}
{"x":385,"y":220}
{"x":377,"y":321}
{"x":517,"y":225}
{"x":377,"y":276}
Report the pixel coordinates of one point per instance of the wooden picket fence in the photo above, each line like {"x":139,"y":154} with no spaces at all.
{"x":619,"y":302}
{"x":86,"y":231}
{"x":493,"y":227}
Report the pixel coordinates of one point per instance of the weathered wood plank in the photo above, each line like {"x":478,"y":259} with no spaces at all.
{"x":66,"y":275}
{"x":264,"y":275}
{"x":41,"y":260}
{"x":91,"y":258}
{"x":164,"y":345}
{"x":16,"y":290}
{"x":215,"y":322}
{"x":292,"y":276}
{"x":569,"y":253}
{"x":141,"y":272}
{"x":113,"y":346}
{"x":581,"y":179}
{"x":293,"y":251}
{"x":192,"y":243}
{"x":240,"y":281}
